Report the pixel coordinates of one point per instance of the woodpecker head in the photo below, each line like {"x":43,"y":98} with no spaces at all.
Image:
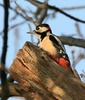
{"x":42,"y":30}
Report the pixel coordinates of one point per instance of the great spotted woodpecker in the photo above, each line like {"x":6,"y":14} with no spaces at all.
{"x":52,"y":45}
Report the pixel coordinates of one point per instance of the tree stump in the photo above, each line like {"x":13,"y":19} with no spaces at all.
{"x":41,"y":78}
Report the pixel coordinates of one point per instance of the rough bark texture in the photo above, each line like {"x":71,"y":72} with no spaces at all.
{"x":43,"y":79}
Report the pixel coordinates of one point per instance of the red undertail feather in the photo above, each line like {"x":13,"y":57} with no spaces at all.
{"x":61,"y":61}
{"x":64,"y":63}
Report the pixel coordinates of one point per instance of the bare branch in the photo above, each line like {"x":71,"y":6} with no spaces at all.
{"x":4,"y":83}
{"x":43,"y":12}
{"x":73,"y":41}
{"x":66,"y":14}
{"x":38,"y":4}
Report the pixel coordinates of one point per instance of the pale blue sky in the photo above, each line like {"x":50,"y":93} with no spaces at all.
{"x":61,"y":24}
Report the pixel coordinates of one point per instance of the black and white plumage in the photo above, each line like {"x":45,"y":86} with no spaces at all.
{"x":51,"y":43}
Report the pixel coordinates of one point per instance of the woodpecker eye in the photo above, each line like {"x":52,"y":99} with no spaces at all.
{"x":37,"y":28}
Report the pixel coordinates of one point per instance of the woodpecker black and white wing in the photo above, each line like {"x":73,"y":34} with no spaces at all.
{"x":59,"y":47}
{"x":57,"y":43}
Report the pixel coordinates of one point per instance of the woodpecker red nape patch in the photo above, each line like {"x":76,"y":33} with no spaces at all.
{"x":49,"y":28}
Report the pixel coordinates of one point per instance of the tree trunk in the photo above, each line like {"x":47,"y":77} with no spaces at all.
{"x":43,"y":79}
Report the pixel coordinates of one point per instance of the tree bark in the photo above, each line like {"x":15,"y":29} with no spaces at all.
{"x":43,"y":79}
{"x":13,"y":87}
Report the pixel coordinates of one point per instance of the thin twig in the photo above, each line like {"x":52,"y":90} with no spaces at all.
{"x":13,"y":26}
{"x":73,"y":8}
{"x":78,"y":59}
{"x":78,"y":30}
{"x":15,"y":11}
{"x":73,"y":59}
{"x":31,"y":34}
{"x":29,"y":18}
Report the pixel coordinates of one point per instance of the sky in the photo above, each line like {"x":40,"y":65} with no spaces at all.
{"x":60,"y":25}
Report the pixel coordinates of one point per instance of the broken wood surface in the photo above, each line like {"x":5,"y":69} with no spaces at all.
{"x":43,"y":79}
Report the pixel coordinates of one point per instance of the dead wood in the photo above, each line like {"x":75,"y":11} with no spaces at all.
{"x":43,"y":79}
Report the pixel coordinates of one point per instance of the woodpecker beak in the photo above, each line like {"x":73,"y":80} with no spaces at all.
{"x":31,"y":32}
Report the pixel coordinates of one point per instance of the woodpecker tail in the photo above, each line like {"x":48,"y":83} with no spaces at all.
{"x":61,"y":61}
